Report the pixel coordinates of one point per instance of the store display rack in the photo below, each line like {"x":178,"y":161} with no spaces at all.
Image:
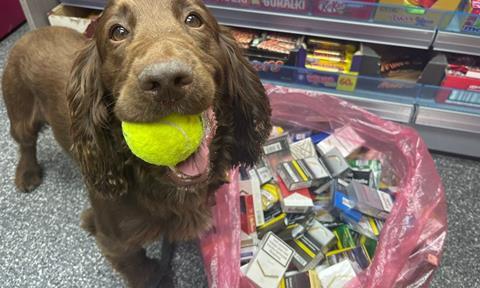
{"x":445,"y":126}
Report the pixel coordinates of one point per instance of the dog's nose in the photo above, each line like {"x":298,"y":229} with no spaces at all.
{"x":165,"y":76}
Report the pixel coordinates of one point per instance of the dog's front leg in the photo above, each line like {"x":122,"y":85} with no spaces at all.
{"x":136,"y":268}
{"x":130,"y":260}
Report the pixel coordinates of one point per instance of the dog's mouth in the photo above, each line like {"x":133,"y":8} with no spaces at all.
{"x":196,"y":168}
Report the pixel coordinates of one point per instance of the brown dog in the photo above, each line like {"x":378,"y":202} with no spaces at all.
{"x":148,"y":59}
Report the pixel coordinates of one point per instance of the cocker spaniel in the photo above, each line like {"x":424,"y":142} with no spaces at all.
{"x":147,"y":59}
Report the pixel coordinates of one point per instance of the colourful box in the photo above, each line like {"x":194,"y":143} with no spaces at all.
{"x":395,"y":12}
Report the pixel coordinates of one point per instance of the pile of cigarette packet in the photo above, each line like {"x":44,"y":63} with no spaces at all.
{"x":312,"y":209}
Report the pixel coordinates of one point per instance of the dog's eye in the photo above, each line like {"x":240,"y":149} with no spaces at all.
{"x":118,"y":33}
{"x":194,"y":21}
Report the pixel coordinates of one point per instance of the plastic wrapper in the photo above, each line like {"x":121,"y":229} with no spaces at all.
{"x":411,"y":243}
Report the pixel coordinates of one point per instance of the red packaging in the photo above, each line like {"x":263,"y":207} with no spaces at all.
{"x":423,"y":3}
{"x":356,"y":9}
{"x":457,"y":82}
{"x":247,"y":214}
{"x":285,"y":192}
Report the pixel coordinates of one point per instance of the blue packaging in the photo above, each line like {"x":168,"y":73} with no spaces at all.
{"x":345,"y":205}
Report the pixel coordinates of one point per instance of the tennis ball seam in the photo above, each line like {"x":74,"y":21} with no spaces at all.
{"x":181,"y":130}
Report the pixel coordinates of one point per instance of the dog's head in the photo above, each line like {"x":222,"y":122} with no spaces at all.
{"x":149,"y":59}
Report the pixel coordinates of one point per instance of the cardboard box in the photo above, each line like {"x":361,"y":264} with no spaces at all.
{"x":300,"y":280}
{"x":366,"y":226}
{"x":337,"y":276}
{"x":72,"y":17}
{"x":274,"y":225}
{"x":270,"y":196}
{"x":308,"y":252}
{"x":304,"y":173}
{"x":395,"y":12}
{"x":267,"y":268}
{"x":248,"y":239}
{"x":247,"y":253}
{"x":358,"y":256}
{"x":303,"y":149}
{"x":247,"y":214}
{"x":465,"y":89}
{"x":322,"y":235}
{"x":345,"y":206}
{"x":370,"y":201}
{"x":277,"y":150}
{"x":346,"y":140}
{"x":263,"y":171}
{"x":335,"y":162}
{"x":472,"y":24}
{"x":249,"y":184}
{"x":293,"y":176}
{"x":344,"y":236}
{"x":296,"y":201}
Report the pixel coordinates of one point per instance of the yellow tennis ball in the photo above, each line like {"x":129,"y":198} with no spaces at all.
{"x":166,"y":142}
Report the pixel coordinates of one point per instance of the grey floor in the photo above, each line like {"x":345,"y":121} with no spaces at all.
{"x":41,"y":244}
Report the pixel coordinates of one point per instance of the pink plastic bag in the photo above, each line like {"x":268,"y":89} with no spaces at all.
{"x":412,"y":239}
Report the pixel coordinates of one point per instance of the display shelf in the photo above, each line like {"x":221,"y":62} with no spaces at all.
{"x":362,"y":23}
{"x":92,"y":4}
{"x":325,"y":27}
{"x":448,"y":119}
{"x":447,"y":108}
{"x":370,"y":93}
{"x":362,"y":27}
{"x":448,"y":124}
{"x":450,"y":141}
{"x":461,"y":35}
{"x":457,"y":43}
{"x":445,"y":126}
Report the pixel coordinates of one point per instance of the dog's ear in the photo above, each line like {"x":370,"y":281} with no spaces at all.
{"x":94,"y":145}
{"x":248,"y":103}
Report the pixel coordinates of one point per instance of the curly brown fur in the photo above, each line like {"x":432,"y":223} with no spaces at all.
{"x":85,"y":88}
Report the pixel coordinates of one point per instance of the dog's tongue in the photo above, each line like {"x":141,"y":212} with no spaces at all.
{"x":196,"y":164}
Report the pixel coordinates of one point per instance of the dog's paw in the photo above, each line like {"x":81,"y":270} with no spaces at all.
{"x":27,"y":179}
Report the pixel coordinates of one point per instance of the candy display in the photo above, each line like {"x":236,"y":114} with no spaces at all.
{"x":418,"y":13}
{"x":402,"y":64}
{"x":463,"y":76}
{"x":268,"y":51}
{"x":326,"y":201}
{"x":329,"y":56}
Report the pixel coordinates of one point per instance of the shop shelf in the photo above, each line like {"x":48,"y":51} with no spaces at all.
{"x":461,"y":35}
{"x":362,"y":22}
{"x":346,"y":28}
{"x":392,"y":100}
{"x":92,"y":4}
{"x":448,"y":124}
{"x":448,"y":108}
